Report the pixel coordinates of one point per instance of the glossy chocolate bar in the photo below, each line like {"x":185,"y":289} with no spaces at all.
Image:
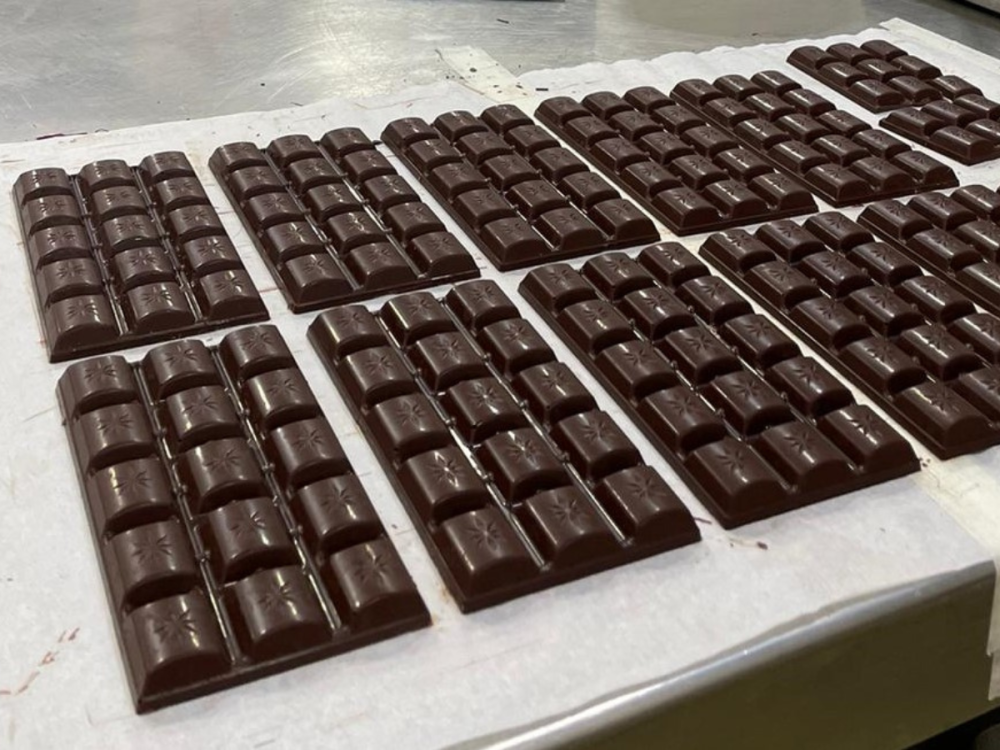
{"x":956,"y":238}
{"x":521,"y":196}
{"x":912,"y":342}
{"x":236,"y":540}
{"x":878,"y":75}
{"x":334,"y":221}
{"x":690,"y":175}
{"x":839,"y":157}
{"x":754,"y":427}
{"x":514,"y":478}
{"x":966,"y":129}
{"x":122,"y":256}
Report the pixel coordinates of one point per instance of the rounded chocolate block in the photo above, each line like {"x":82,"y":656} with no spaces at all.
{"x":834,"y":273}
{"x":513,"y":240}
{"x":245,"y":536}
{"x":569,"y":230}
{"x":306,"y":451}
{"x":648,"y":178}
{"x":981,"y":388}
{"x":58,"y":243}
{"x":112,"y":434}
{"x":481,"y":207}
{"x":253,"y":350}
{"x":430,"y":154}
{"x":481,"y":408}
{"x":343,"y":141}
{"x":595,"y":325}
{"x":364,"y":165}
{"x":197,"y":415}
{"x":698,"y":354}
{"x":251,"y":182}
{"x":327,"y":201}
{"x":114,"y":202}
{"x":379,"y":265}
{"x":406,"y":426}
{"x":882,"y":365}
{"x":635,"y":369}
{"x":370,"y":587}
{"x":508,"y":171}
{"x":278,"y":397}
{"x":173,"y":367}
{"x":656,"y":312}
{"x":228,"y":294}
{"x":697,"y":172}
{"x":141,"y":266}
{"x":829,"y":322}
{"x":553,"y":392}
{"x":941,"y":250}
{"x":587,"y":131}
{"x":347,"y":330}
{"x":41,"y":183}
{"x":129,"y":494}
{"x":103,"y":174}
{"x":442,"y":483}
{"x":173,"y":643}
{"x":276,"y":613}
{"x":312,"y":279}
{"x":789,"y":240}
{"x":179,"y":192}
{"x":803,"y":456}
{"x":842,"y":151}
{"x":615,"y":275}
{"x":842,"y":184}
{"x":586,"y":189}
{"x":286,"y":241}
{"x":387,"y":191}
{"x":532,"y":198}
{"x":942,"y":414}
{"x":351,"y":230}
{"x":556,"y":164}
{"x":440,"y":254}
{"x":644,"y":507}
{"x":79,"y":322}
{"x":405,"y":132}
{"x":595,"y":444}
{"x":503,"y":117}
{"x":749,"y":404}
{"x":615,"y":154}
{"x":521,"y":464}
{"x":735,"y":477}
{"x":483,"y":552}
{"x":737,"y":250}
{"x":713,"y":299}
{"x":781,"y":284}
{"x":444,"y":359}
{"x":233,"y":156}
{"x":758,"y":340}
{"x":883,"y":263}
{"x":150,"y":562}
{"x":681,"y":419}
{"x":191,"y":222}
{"x":514,"y":345}
{"x":808,"y":386}
{"x":411,"y":317}
{"x":128,"y":232}
{"x":562,"y":109}
{"x":866,"y":438}
{"x":884,"y":310}
{"x":479,"y":303}
{"x":557,"y":286}
{"x":981,"y":331}
{"x":982,"y":235}
{"x":263,"y":211}
{"x":478,"y":147}
{"x":292,"y":148}
{"x":566,"y":528}
{"x":310,"y":173}
{"x":165,"y":165}
{"x":685,"y":209}
{"x":96,"y":383}
{"x":157,"y":307}
{"x":372,"y":375}
{"x":210,"y":254}
{"x":943,"y":355}
{"x":219,"y":472}
{"x":335,"y":513}
{"x":458,"y":123}
{"x":646,"y":98}
{"x":936,"y":298}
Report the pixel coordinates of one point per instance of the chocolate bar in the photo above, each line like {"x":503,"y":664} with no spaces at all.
{"x":754,"y":427}
{"x":878,"y":75}
{"x":122,"y":256}
{"x":915,"y":344}
{"x":836,"y":155}
{"x":235,"y":539}
{"x":514,"y":478}
{"x":521,"y":196}
{"x":687,"y":173}
{"x":966,"y":129}
{"x":956,"y":238}
{"x":334,"y":221}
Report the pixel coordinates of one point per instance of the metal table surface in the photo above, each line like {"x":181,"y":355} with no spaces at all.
{"x":69,"y":68}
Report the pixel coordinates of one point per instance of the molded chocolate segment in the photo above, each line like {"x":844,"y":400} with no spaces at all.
{"x":727,"y":398}
{"x":334,"y":221}
{"x":517,"y":193}
{"x":911,"y":340}
{"x":228,"y":520}
{"x":122,"y":256}
{"x":513,"y":478}
{"x":688,"y":174}
{"x":837,"y":156}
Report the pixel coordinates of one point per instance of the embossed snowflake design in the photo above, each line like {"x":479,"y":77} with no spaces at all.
{"x":639,"y":356}
{"x":682,"y":403}
{"x":194,"y":215}
{"x":698,"y":340}
{"x":867,"y":424}
{"x":881,"y":351}
{"x":168,"y":160}
{"x":131,"y":226}
{"x":561,"y":276}
{"x":992,"y":383}
{"x":100,"y":372}
{"x":484,"y":533}
{"x":54,"y":205}
{"x":515,"y":331}
{"x":130,"y":484}
{"x":115,"y":196}
{"x":378,"y":365}
{"x":119,"y":421}
{"x":268,"y":203}
{"x":991,"y":272}
{"x":733,"y":458}
{"x":256,"y":176}
{"x":826,"y":308}
{"x":286,"y":385}
{"x":187,"y":186}
{"x":213,"y":246}
{"x":339,"y":500}
{"x":646,"y":488}
{"x":990,"y":326}
{"x":620,"y":266}
{"x":314,"y":167}
{"x":309,"y":440}
{"x":294,"y":233}
{"x":61,"y":237}
{"x":941,"y":340}
{"x":883,"y":298}
{"x":554,"y":379}
{"x":174,"y":628}
{"x":940,"y":397}
{"x":318,"y":265}
{"x":449,"y":348}
{"x":179,"y":354}
{"x":881,"y":252}
{"x":247,"y":525}
{"x":748,"y":389}
{"x":277,"y":595}
{"x":257,"y":342}
{"x":228,"y":459}
{"x":48,"y":176}
{"x":81,"y":308}
{"x":895,"y":209}
{"x":780,"y":272}
{"x":799,"y":441}
{"x":937,"y":200}
{"x":203,"y":403}
{"x":410,"y":413}
{"x":229,"y":284}
{"x":446,"y":471}
{"x":156,"y":296}
{"x":381,"y":255}
{"x":481,"y":294}
{"x":371,"y":569}
{"x":567,"y":510}
{"x":521,"y":448}
{"x":593,"y":312}
{"x":759,"y":328}
{"x":148,"y":548}
{"x":144,"y":258}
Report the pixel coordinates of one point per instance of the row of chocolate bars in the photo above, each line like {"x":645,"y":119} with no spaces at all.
{"x":235,"y":538}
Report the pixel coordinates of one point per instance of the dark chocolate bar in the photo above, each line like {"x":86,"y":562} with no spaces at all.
{"x":236,"y":540}
{"x":334,"y":221}
{"x":754,"y":427}
{"x":690,"y":175}
{"x":956,"y":238}
{"x":915,"y":344}
{"x":521,"y":196}
{"x":878,"y":75}
{"x":966,"y":129}
{"x":836,"y":155}
{"x":122,"y":256}
{"x":514,"y":478}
